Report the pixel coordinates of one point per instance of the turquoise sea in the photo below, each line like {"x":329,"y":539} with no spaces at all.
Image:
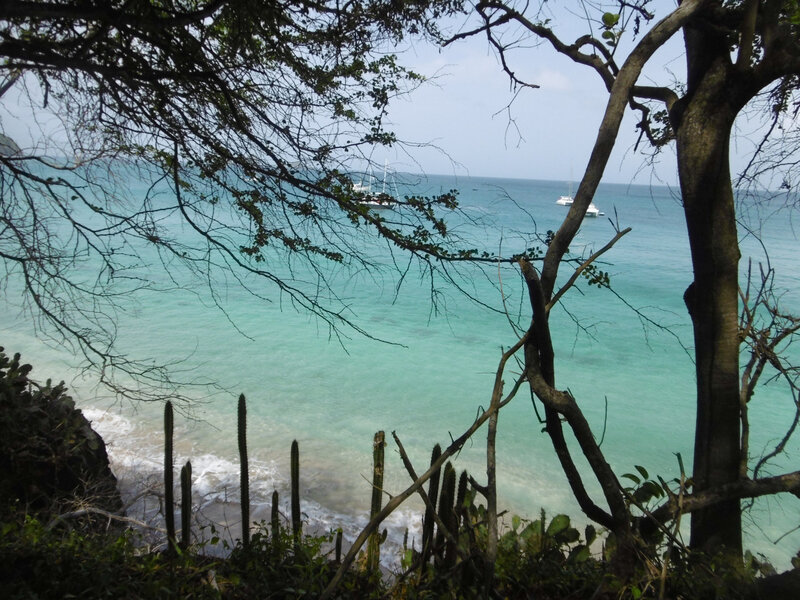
{"x":427,"y":366}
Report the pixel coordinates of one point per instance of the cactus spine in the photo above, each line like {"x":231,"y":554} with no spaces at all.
{"x":373,"y":545}
{"x":244,"y":475}
{"x":295,"y":485}
{"x":169,"y":496}
{"x":186,"y":505}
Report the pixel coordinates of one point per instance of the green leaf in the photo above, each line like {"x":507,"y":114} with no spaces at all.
{"x":610,"y":19}
{"x":533,"y":529}
{"x":590,"y":533}
{"x":558,"y":524}
{"x":647,"y":492}
{"x":579,"y":554}
{"x":643,"y":471}
{"x":408,"y":558}
{"x":569,"y":536}
{"x":633,"y":478}
{"x":680,"y":462}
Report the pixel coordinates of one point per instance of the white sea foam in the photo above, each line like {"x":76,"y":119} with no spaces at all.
{"x":108,"y":424}
{"x":137,"y":460}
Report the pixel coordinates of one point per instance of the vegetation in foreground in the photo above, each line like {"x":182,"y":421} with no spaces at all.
{"x":58,"y":543}
{"x":536,"y":561}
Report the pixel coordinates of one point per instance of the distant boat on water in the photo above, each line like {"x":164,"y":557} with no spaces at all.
{"x":568,"y":199}
{"x":592,"y":211}
{"x":381,"y":200}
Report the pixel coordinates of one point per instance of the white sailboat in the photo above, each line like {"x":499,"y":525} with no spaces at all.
{"x":568,"y":199}
{"x":379,"y":201}
{"x":565,"y":201}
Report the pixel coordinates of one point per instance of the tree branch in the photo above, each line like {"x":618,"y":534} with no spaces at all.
{"x":607,"y":134}
{"x":539,"y":368}
{"x":583,"y":267}
{"x":743,"y":488}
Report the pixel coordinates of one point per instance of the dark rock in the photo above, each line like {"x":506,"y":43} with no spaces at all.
{"x":51,"y":460}
{"x":783,"y":586}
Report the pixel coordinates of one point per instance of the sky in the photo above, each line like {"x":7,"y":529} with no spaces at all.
{"x":546,"y":133}
{"x":461,"y":121}
{"x":464,"y":111}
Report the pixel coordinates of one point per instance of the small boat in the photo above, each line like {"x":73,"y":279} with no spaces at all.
{"x":593,"y":211}
{"x":379,"y":201}
{"x":568,"y":199}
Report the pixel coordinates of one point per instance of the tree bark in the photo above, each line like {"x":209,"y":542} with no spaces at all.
{"x":703,"y":122}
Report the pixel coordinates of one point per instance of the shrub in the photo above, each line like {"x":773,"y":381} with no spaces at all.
{"x":49,"y":454}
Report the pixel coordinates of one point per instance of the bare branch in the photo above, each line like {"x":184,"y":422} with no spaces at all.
{"x":454,"y":447}
{"x":595,"y":255}
{"x":606,"y":137}
{"x":744,"y":488}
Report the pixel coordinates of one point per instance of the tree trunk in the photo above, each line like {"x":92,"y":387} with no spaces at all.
{"x":703,"y":124}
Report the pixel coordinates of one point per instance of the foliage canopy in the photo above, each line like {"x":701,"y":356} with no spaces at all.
{"x":244,"y":121}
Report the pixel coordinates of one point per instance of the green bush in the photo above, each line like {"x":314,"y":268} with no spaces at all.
{"x":49,"y":453}
{"x":37,"y":562}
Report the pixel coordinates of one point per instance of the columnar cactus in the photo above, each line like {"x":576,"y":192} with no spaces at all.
{"x":451,"y":547}
{"x":295,"y":485}
{"x":445,"y":511}
{"x":428,"y":520}
{"x":275,"y":520}
{"x":186,"y":505}
{"x":338,"y":553}
{"x":169,"y":495}
{"x":244,"y":472}
{"x":461,"y":495}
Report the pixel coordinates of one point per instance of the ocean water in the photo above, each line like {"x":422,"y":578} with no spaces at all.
{"x":428,"y":364}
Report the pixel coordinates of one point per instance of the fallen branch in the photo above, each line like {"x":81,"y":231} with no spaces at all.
{"x":91,"y":510}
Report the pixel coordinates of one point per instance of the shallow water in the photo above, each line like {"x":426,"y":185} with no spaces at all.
{"x":634,"y":380}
